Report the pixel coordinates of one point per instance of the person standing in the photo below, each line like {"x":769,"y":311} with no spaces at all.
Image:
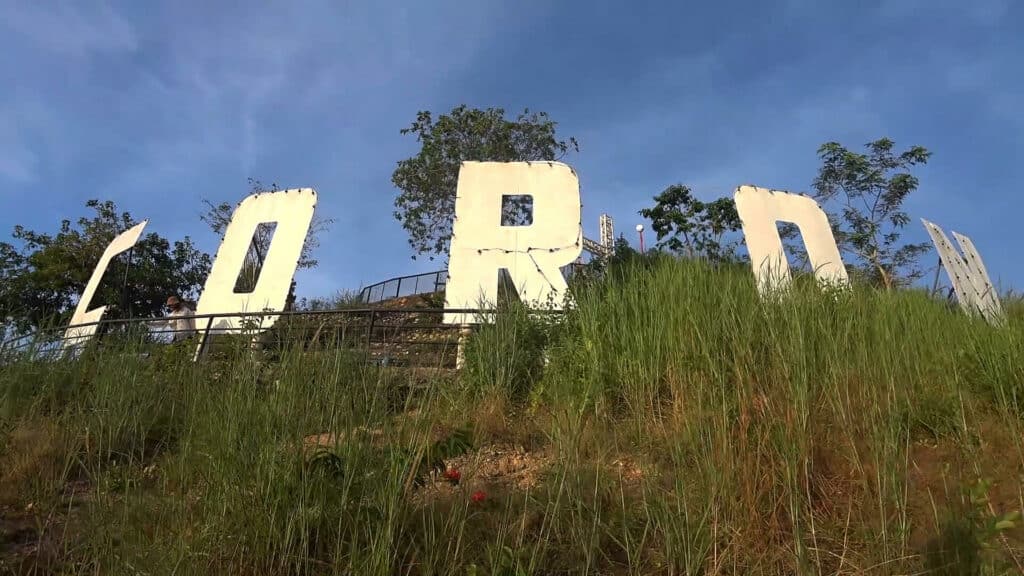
{"x":181,"y":322}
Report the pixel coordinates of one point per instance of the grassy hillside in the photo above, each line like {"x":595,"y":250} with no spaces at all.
{"x":671,"y":424}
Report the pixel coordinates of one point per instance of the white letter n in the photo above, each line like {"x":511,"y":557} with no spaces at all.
{"x":760,"y":210}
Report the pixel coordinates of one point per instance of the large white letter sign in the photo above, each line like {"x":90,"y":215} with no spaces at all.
{"x":968,"y":275}
{"x":74,"y":336}
{"x":532,"y":254}
{"x":292,"y":210}
{"x":760,"y":210}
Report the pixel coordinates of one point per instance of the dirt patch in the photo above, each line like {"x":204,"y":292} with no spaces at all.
{"x":17,"y":532}
{"x":37,"y":499}
{"x":497,"y":466}
{"x":506,"y":464}
{"x":630,"y":471}
{"x":331,"y":440}
{"x":941,"y":471}
{"x":833,"y":485}
{"x":30,"y":543}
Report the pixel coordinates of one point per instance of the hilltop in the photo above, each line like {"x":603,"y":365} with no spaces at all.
{"x":673,"y":422}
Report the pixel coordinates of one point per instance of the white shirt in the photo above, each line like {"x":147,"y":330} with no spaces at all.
{"x":181,"y":323}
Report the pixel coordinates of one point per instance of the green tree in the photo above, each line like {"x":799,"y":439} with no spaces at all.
{"x":690,"y":227}
{"x":427,"y":181}
{"x":870,"y":189}
{"x":218,"y":216}
{"x":42,"y":275}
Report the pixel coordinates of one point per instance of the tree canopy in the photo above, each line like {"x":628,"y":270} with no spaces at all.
{"x":870,"y":189}
{"x":425,"y":205}
{"x":42,"y":275}
{"x":690,"y":227}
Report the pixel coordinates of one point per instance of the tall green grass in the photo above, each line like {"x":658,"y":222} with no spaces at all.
{"x":672,"y":423}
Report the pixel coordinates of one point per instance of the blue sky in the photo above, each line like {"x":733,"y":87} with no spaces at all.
{"x":157,"y":105}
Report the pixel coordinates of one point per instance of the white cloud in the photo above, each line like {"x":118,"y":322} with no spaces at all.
{"x":53,"y":39}
{"x":73,"y":28}
{"x":233,"y":81}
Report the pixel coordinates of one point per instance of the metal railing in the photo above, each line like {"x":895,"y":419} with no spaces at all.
{"x":409,"y":337}
{"x":427,"y":283}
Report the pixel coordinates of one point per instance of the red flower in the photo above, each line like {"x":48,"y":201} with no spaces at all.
{"x":478,"y":496}
{"x":452,"y":476}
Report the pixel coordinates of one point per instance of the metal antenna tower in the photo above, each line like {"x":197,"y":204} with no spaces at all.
{"x":607,"y":233}
{"x":605,"y":247}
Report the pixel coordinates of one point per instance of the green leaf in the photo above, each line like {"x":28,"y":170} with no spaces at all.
{"x":1005,"y":525}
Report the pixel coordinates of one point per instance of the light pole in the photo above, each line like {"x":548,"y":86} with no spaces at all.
{"x":640,"y":231}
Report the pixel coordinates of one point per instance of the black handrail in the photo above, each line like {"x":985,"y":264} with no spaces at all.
{"x":382,"y":291}
{"x":421,"y":284}
{"x":60,"y":334}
